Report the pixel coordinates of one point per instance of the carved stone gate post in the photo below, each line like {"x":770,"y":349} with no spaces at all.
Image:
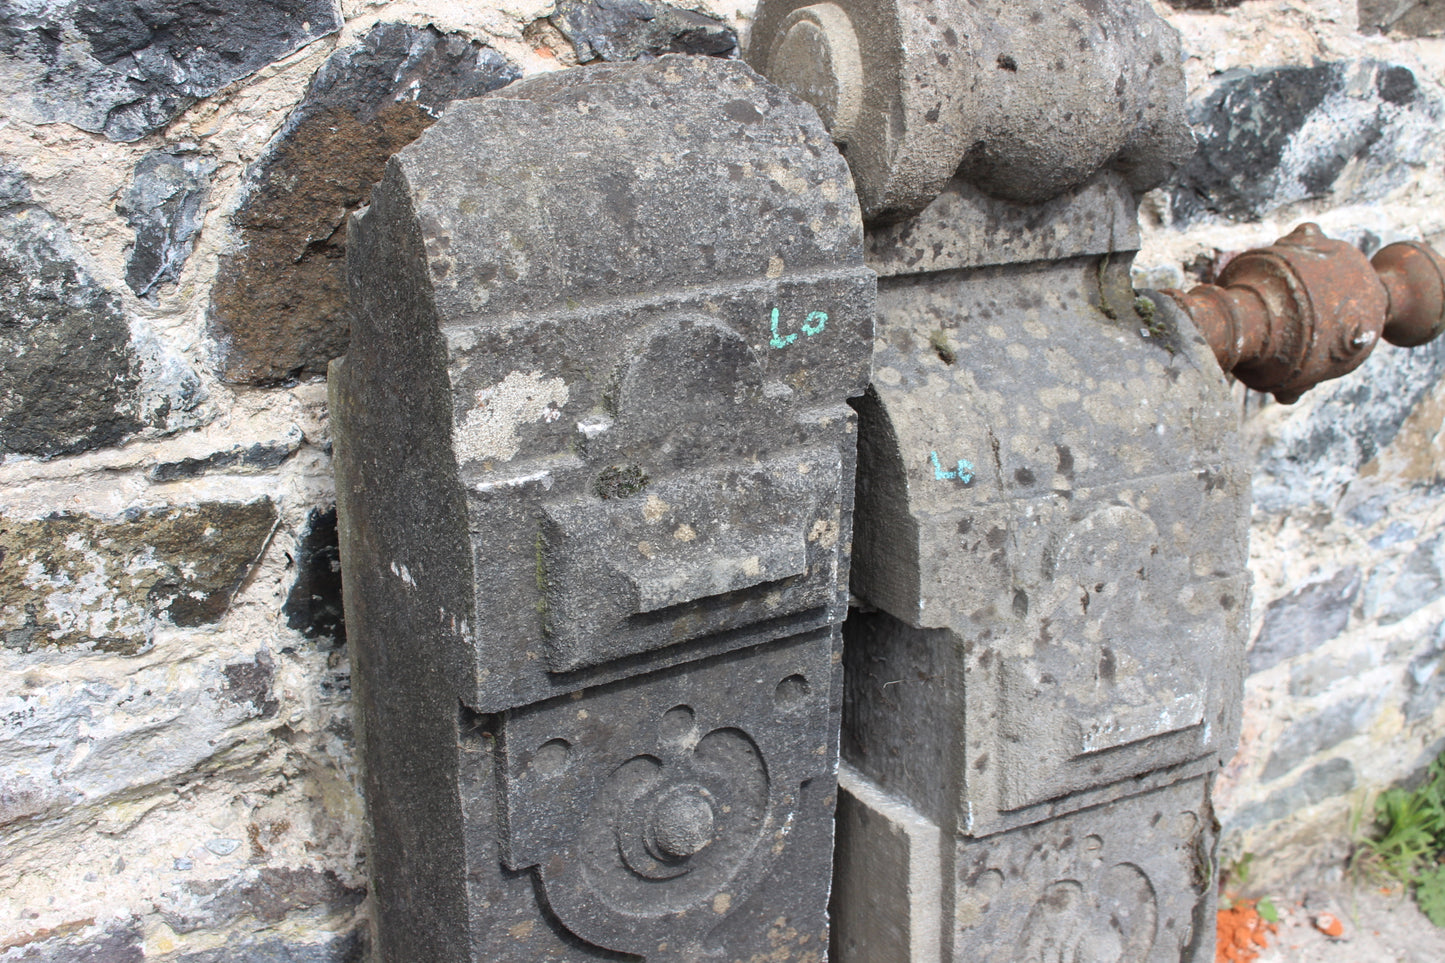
{"x":1050,"y":545}
{"x":595,"y":479}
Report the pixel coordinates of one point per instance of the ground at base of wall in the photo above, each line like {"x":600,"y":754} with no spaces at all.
{"x":1380,"y":926}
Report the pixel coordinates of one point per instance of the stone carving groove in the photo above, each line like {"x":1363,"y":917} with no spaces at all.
{"x":595,"y":482}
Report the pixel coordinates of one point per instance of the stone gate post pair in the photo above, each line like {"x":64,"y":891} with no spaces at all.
{"x":620,"y":340}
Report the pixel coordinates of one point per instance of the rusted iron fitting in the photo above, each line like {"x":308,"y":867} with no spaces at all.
{"x":1307,"y":308}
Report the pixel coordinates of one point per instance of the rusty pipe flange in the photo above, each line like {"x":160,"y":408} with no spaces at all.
{"x":1307,"y":309}
{"x":1414,"y":278}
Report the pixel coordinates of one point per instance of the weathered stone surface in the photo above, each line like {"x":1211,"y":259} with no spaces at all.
{"x":1130,"y":883}
{"x":313,"y":606}
{"x":1325,"y":780}
{"x":1287,"y":134}
{"x":68,"y":376}
{"x":350,"y":948}
{"x":1316,"y":733}
{"x":1406,"y":18}
{"x":1400,"y":586}
{"x":1315,"y":454}
{"x":1024,"y":100}
{"x":887,"y":890}
{"x":238,"y":459}
{"x":1305,"y":619}
{"x":1077,"y":557}
{"x":126,"y":69}
{"x":1311,"y":677}
{"x":620,"y":30}
{"x":594,"y":483}
{"x":1049,"y":546}
{"x":266,"y":895}
{"x":82,"y":580}
{"x":1425,"y":679}
{"x":164,"y":206}
{"x":159,"y":722}
{"x":278,"y":307}
{"x":1133,"y":882}
{"x":964,"y":228}
{"x":118,"y":944}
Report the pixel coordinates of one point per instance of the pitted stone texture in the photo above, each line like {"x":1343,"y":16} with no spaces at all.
{"x":69,"y":378}
{"x":964,"y":228}
{"x":617,"y":30}
{"x":164,"y":206}
{"x":74,"y":580}
{"x":594,"y":482}
{"x":278,"y":307}
{"x":1026,"y":101}
{"x":1133,"y":882}
{"x":1288,"y":134}
{"x":1065,"y":561}
{"x":127,"y":69}
{"x":1130,"y":882}
{"x":1403,"y":18}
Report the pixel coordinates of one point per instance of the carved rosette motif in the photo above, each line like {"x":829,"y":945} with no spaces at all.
{"x":667,"y":813}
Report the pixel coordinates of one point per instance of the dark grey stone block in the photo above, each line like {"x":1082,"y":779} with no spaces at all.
{"x":1311,"y":460}
{"x":262,"y":456}
{"x":1282,"y":135}
{"x":595,"y":475}
{"x":69,"y":373}
{"x":1325,"y":780}
{"x":1069,"y":569}
{"x":1313,"y":734}
{"x":1401,"y":586}
{"x":1425,"y":680}
{"x":1049,"y":552}
{"x":266,"y":895}
{"x":1130,"y":882}
{"x":619,"y":30}
{"x":1405,"y":18}
{"x":164,"y":206}
{"x":118,"y":944}
{"x":278,"y":307}
{"x":127,"y":69}
{"x":349,"y":948}
{"x":1305,"y":619}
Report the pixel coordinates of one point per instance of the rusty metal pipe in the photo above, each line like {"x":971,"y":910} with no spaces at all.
{"x":1307,"y":309}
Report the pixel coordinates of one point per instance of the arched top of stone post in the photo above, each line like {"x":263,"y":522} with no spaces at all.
{"x":667,"y":175}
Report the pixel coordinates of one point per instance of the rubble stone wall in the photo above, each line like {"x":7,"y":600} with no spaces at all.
{"x":1329,"y":112}
{"x":177,"y":777}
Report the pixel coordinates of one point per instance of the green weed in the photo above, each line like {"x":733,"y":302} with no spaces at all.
{"x":1410,"y":846}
